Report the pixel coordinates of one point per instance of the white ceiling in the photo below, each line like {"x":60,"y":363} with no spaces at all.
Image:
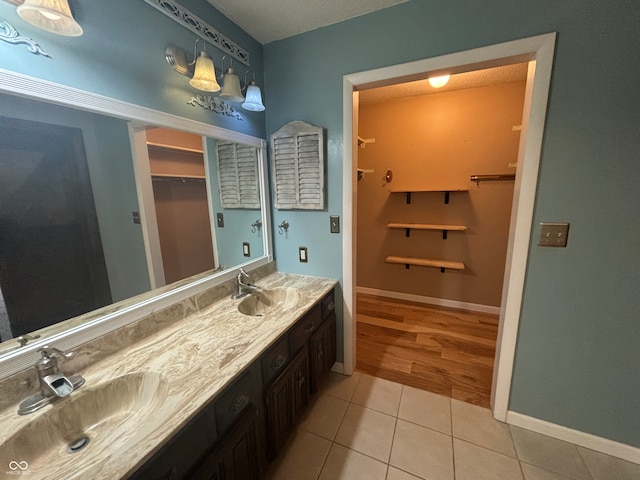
{"x":270,"y":20}
{"x":477,"y":78}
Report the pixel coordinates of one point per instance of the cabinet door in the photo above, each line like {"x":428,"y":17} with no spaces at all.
{"x":286,"y":398}
{"x":323,"y":352}
{"x":184,"y":451}
{"x":237,"y":456}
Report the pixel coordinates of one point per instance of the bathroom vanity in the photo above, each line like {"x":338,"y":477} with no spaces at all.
{"x":206,"y":391}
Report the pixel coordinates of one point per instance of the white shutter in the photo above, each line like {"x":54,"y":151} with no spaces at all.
{"x":238,"y":175}
{"x":298,"y":166}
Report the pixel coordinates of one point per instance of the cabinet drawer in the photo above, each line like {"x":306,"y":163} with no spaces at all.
{"x":235,"y":399}
{"x":328,"y":304}
{"x":302,"y":330}
{"x":275,"y":360}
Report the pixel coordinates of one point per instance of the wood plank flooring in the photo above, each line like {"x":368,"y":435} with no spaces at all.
{"x":443,"y":350}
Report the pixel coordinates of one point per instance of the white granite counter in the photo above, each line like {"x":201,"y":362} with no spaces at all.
{"x":188,"y":363}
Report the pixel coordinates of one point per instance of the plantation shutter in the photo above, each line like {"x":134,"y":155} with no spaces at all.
{"x":298,"y":166}
{"x":238,"y":175}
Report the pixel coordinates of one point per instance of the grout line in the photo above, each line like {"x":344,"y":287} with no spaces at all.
{"x":453,"y":449}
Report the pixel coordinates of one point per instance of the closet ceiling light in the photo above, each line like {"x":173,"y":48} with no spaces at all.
{"x":51,"y":15}
{"x":439,"y":82}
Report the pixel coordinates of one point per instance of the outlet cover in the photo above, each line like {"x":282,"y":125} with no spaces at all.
{"x":220,"y":219}
{"x":553,"y":234}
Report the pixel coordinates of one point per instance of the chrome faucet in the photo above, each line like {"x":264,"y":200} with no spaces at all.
{"x":53,"y":383}
{"x":244,"y":289}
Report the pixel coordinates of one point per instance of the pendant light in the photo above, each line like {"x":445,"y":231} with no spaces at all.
{"x":231,"y":90}
{"x":204,"y":76}
{"x":51,"y":15}
{"x":253,"y":101}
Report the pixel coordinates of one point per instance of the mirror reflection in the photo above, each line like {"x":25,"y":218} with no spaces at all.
{"x":74,"y":235}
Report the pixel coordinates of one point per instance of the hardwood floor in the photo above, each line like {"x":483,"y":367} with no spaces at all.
{"x":443,"y":350}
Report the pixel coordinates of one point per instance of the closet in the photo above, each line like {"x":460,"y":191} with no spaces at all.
{"x":176,"y":162}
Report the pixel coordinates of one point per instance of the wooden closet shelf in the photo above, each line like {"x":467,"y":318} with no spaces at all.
{"x":425,"y":262}
{"x":446,"y":192}
{"x":426,"y":226}
{"x":174,"y":148}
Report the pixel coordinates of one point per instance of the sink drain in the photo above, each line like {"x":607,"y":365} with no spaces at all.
{"x":77,"y":444}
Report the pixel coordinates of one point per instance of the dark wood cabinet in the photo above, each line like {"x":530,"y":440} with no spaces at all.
{"x":247,"y":424}
{"x":176,"y":460}
{"x":286,"y":398}
{"x":238,"y":455}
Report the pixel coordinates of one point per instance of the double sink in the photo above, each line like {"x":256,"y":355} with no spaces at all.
{"x":116,"y":415}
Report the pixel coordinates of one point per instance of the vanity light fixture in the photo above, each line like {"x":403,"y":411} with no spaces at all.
{"x":231,"y":90}
{"x":253,"y":102}
{"x":439,"y":82}
{"x":201,"y":69}
{"x":51,"y":15}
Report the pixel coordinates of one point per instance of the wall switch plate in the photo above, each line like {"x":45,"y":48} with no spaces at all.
{"x":136,"y":217}
{"x":246,"y":249}
{"x":220,"y":219}
{"x":553,"y":234}
{"x":335,"y":223}
{"x":302,"y":254}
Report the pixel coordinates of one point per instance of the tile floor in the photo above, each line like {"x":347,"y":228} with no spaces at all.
{"x":362,"y":427}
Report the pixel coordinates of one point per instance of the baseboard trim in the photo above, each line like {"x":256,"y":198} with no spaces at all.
{"x":442,"y":302}
{"x":587,"y":440}
{"x":338,"y":367}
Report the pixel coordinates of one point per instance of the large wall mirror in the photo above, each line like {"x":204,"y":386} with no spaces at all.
{"x":105,"y":208}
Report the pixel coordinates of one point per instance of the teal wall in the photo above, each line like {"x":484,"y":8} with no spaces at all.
{"x":577,"y":353}
{"x":121,"y":55}
{"x":237,"y":222}
{"x":106,"y":144}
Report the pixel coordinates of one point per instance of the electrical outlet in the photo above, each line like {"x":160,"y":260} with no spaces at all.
{"x":553,"y":234}
{"x":136,"y":217}
{"x":220,"y":219}
{"x":302,"y":254}
{"x":246,"y":249}
{"x":334,"y":223}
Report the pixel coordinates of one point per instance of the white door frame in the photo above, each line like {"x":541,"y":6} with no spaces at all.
{"x":538,"y":51}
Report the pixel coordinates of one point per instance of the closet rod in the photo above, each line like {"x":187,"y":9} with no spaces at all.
{"x":492,"y":178}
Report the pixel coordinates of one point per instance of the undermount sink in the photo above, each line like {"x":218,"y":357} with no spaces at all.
{"x":89,"y":420}
{"x":262,"y":302}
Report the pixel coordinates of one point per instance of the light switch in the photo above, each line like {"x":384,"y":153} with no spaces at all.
{"x":335,"y":223}
{"x":246,"y":249}
{"x":553,"y":234}
{"x":302,"y":253}
{"x":220,"y":219}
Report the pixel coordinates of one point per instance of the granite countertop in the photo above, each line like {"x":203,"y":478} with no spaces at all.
{"x":193,"y":359}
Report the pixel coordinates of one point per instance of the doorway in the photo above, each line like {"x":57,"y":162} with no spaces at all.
{"x":538,"y":51}
{"x":50,"y":247}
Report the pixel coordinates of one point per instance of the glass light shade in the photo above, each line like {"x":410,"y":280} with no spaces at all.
{"x":439,"y":82}
{"x":51,"y":15}
{"x":254,"y":98}
{"x":231,"y":87}
{"x":204,"y":77}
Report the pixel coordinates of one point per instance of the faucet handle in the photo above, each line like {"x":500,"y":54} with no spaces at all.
{"x":48,"y":352}
{"x":242,"y":273}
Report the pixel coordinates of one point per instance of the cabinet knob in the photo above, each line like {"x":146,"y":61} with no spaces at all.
{"x":239,"y":402}
{"x":308,"y":328}
{"x":278,"y":361}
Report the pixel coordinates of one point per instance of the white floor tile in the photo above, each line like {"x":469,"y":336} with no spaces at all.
{"x":378,"y":394}
{"x":476,"y":425}
{"x":325,"y":416}
{"x":477,"y":463}
{"x":425,"y":408}
{"x":345,"y":464}
{"x":395,"y":474}
{"x":367,"y":431}
{"x":341,"y":386}
{"x":605,"y":467}
{"x":549,"y":453}
{"x":531,"y":472}
{"x":422,"y":451}
{"x":303,"y":459}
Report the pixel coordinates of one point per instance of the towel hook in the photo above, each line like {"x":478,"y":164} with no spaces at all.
{"x":255,"y":226}
{"x":283,"y":227}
